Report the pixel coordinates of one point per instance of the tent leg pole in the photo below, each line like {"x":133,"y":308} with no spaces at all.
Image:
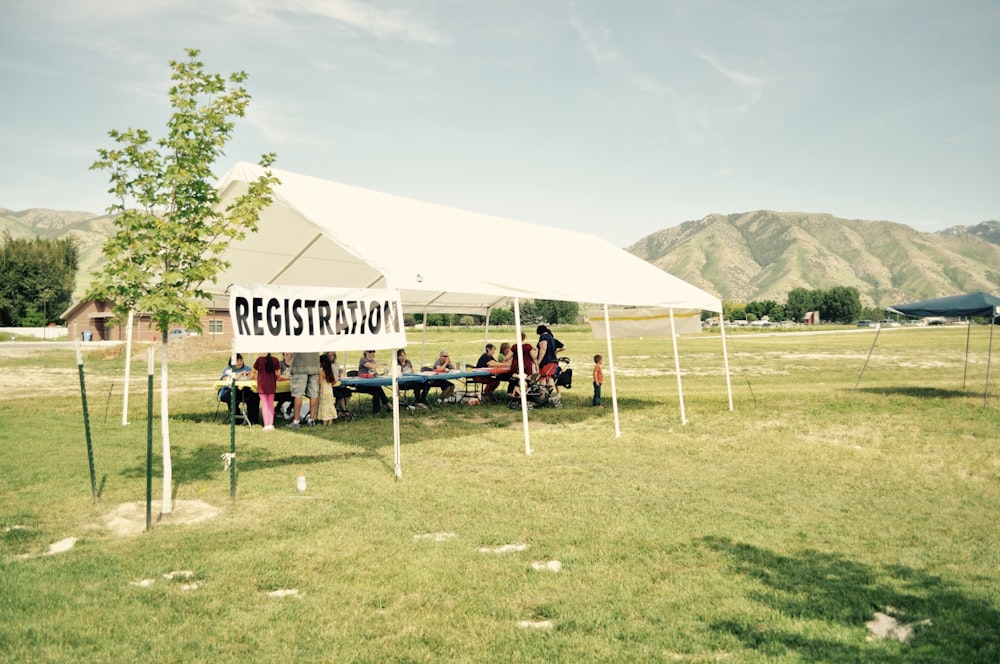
{"x":725,"y":361}
{"x":677,"y":368}
{"x":611,"y":372}
{"x":520,"y":376}
{"x":968,"y":333}
{"x":989,"y":356}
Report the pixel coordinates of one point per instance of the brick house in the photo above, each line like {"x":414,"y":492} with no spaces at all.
{"x":99,"y":319}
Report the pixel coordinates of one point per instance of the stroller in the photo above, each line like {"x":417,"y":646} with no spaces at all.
{"x":536,"y":394}
{"x":564,"y":375}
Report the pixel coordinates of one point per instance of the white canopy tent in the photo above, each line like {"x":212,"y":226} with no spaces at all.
{"x":318,"y":232}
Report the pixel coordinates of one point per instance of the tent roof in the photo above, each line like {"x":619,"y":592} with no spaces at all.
{"x":970,"y":304}
{"x":318,"y":232}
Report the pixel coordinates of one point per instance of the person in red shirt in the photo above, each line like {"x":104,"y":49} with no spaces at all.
{"x":515,"y":368}
{"x":267,"y":369}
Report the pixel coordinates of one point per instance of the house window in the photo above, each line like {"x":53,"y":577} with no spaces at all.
{"x":215,"y":326}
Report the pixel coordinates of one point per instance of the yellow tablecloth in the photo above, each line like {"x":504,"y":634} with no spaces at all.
{"x":282,"y":387}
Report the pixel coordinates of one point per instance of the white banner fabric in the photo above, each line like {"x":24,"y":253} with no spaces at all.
{"x":644,"y":322}
{"x":299,"y":319}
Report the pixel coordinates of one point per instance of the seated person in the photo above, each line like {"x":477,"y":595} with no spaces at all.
{"x":420,"y":389}
{"x":244,"y":395}
{"x":286,"y":366}
{"x":442,"y":363}
{"x":368,"y":365}
{"x":487,"y":361}
{"x":341,"y":394}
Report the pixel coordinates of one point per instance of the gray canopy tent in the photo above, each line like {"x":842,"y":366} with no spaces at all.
{"x":954,"y":306}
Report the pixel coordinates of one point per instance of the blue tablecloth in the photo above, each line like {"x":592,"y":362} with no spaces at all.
{"x":411,"y":379}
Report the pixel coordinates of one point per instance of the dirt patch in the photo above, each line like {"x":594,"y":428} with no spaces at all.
{"x":183,"y":349}
{"x":129,"y":519}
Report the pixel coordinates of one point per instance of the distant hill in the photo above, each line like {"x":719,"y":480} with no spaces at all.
{"x":90,"y":231}
{"x":987,"y":230}
{"x":749,"y":256}
{"x":762,"y":255}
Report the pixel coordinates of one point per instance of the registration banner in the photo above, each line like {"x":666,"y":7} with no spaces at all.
{"x":644,"y":322}
{"x":298,"y":319}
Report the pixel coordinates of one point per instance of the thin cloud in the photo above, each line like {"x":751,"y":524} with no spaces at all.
{"x":393,"y":23}
{"x":754,"y":85}
{"x":597,"y":41}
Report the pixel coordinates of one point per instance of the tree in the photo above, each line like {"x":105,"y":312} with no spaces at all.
{"x":841,"y":304}
{"x":502,"y":317}
{"x":37,"y":278}
{"x":554,"y":311}
{"x":800,"y":301}
{"x":734,"y":311}
{"x":756,"y":309}
{"x":170,"y":233}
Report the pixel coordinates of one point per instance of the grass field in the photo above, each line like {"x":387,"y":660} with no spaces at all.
{"x":774,"y":532}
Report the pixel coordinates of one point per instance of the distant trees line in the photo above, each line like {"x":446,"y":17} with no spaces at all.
{"x":37,"y":278}
{"x":532,"y":312}
{"x":840,"y":304}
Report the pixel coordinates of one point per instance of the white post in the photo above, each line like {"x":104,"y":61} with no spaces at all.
{"x":166,"y":505}
{"x":128,"y":365}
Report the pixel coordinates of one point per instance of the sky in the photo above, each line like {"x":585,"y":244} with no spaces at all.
{"x":614,"y":118}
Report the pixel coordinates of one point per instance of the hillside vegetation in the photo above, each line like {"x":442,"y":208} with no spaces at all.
{"x":763,"y":255}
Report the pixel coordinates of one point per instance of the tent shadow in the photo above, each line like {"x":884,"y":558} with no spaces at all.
{"x":830,"y":589}
{"x":205,"y":463}
{"x":265,"y":463}
{"x":921,"y":392}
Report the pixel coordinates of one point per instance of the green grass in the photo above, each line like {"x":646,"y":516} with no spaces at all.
{"x":770,"y":533}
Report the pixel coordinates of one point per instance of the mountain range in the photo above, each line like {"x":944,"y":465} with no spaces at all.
{"x":758,"y":255}
{"x":762,"y":255}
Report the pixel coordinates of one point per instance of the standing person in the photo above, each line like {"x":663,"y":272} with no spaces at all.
{"x":598,"y":380}
{"x":515,"y":368}
{"x":326,"y":411}
{"x":283,"y":401}
{"x":266,"y":370}
{"x":367,"y":365}
{"x":305,"y":384}
{"x":548,"y":360}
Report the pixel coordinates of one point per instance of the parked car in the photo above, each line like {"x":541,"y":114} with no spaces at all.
{"x":866,"y":323}
{"x":180,"y":332}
